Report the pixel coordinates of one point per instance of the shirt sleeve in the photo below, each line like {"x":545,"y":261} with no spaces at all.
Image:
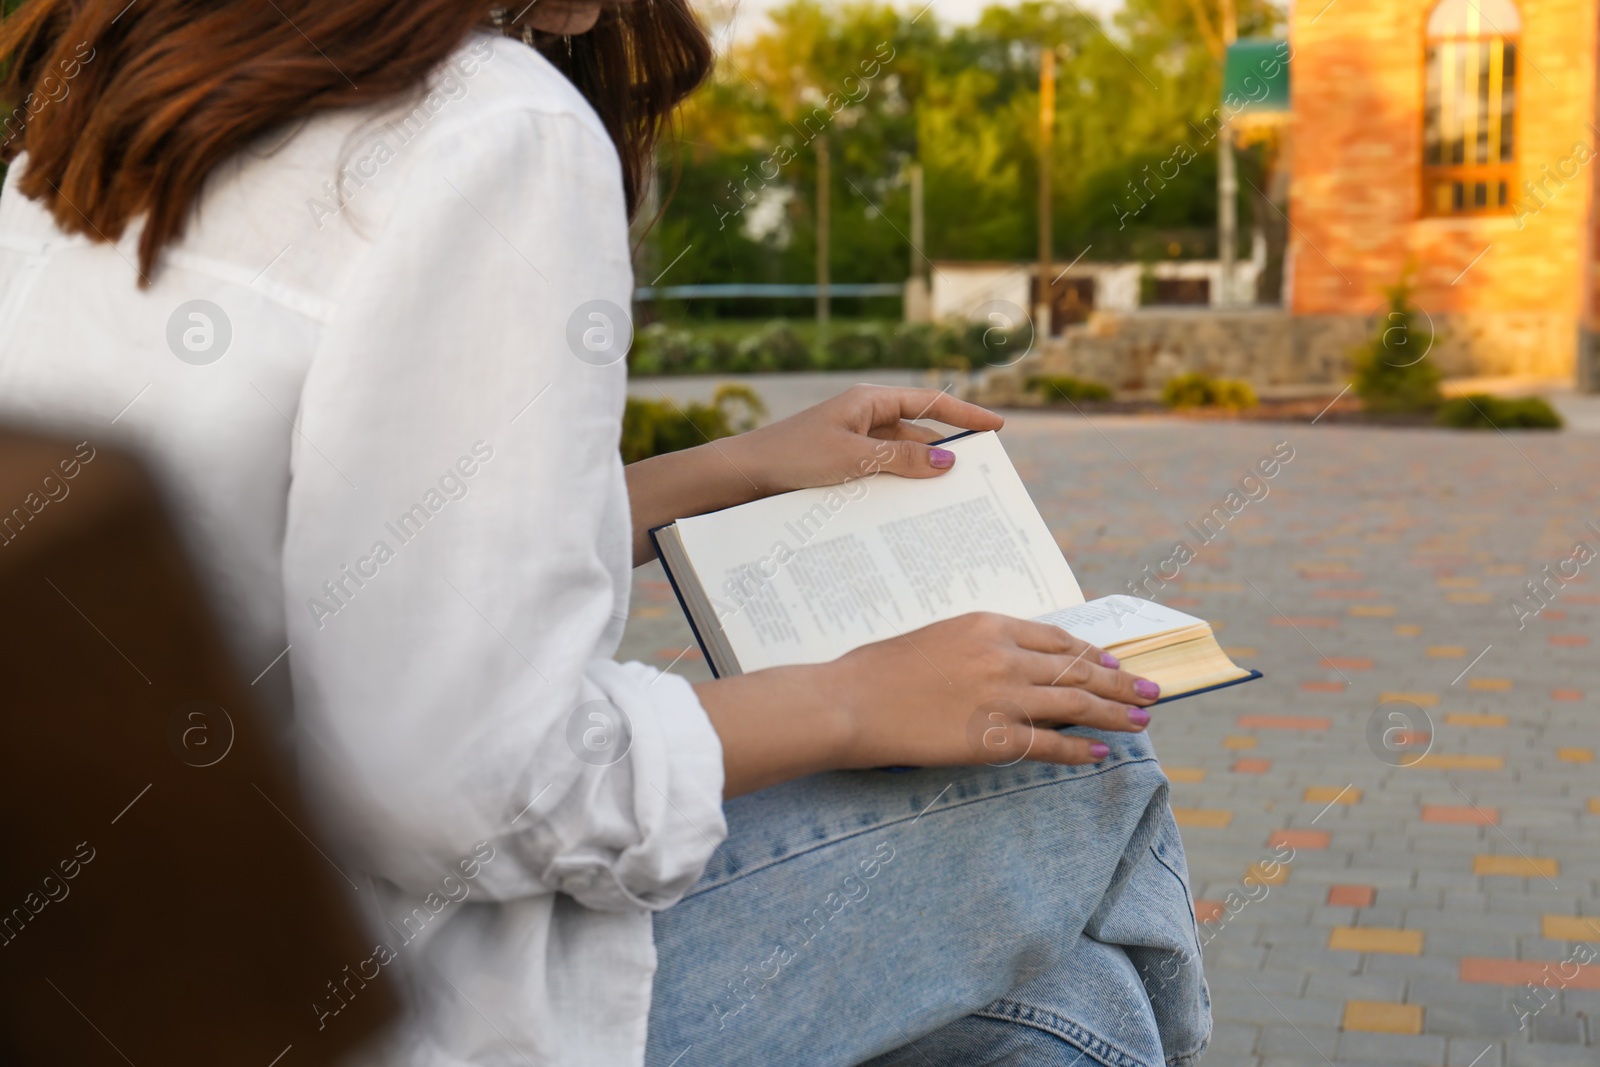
{"x":457,"y":531}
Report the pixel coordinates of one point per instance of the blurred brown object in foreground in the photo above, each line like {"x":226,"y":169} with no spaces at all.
{"x":161,"y":901}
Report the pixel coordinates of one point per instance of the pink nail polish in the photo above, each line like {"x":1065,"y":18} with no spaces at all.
{"x":1139,"y":717}
{"x":1108,"y":660}
{"x":941,"y":457}
{"x":1147,"y":689}
{"x":1099,"y":751}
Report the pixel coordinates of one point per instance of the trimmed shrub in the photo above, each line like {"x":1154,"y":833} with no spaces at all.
{"x":775,"y":347}
{"x":858,"y":349}
{"x":654,"y":427}
{"x":1480,"y":411}
{"x":1392,"y":371}
{"x":1198,"y":390}
{"x":1055,"y":389}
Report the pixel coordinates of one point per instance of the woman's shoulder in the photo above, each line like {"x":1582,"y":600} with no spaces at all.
{"x":310,"y":198}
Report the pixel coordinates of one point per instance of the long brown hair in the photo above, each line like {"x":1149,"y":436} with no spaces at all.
{"x":124,"y":108}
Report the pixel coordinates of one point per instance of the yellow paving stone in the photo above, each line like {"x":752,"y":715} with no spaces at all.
{"x":649,"y":613}
{"x":1491,"y":685}
{"x":1407,"y":629}
{"x":1382,"y":1017}
{"x":1332,"y":794}
{"x":1238,"y":742}
{"x":1594,"y":805}
{"x":1212,"y":818}
{"x":1372,"y":611}
{"x":1570,"y":928}
{"x":1464,"y":718}
{"x":1456,"y":583}
{"x":1376,"y":939}
{"x":1185,"y":774}
{"x":1447,"y":651}
{"x":1269,"y":873}
{"x":1459,"y":761}
{"x":1516,"y":866}
{"x":1470,"y":598}
{"x":1575,"y":755}
{"x":1242,"y":652}
{"x":1422,"y":700}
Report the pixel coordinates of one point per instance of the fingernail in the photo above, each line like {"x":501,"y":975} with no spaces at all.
{"x":1139,"y":717}
{"x":1108,"y":660}
{"x":1147,"y":689}
{"x":1099,"y":751}
{"x":941,"y":457}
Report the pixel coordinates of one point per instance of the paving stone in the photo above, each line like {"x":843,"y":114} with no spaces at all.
{"x":1392,"y":1048}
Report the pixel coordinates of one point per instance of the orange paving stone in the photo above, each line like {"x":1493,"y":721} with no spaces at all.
{"x":1251,"y":765}
{"x":1447,"y":652}
{"x":1371,"y":611}
{"x":1332,"y":794}
{"x":1206,"y":911}
{"x":1187,"y":775}
{"x":679,"y":653}
{"x":1283,"y":722}
{"x":1569,"y":640}
{"x":1310,"y":840}
{"x":650,"y":613}
{"x":1211,"y":818}
{"x":1238,"y":741}
{"x":1322,"y":687}
{"x":1553,"y":615}
{"x":1382,"y":1017}
{"x":1462,"y":718}
{"x":1594,"y":805}
{"x":1516,"y":866}
{"x":1351,"y":896}
{"x":1491,"y":685}
{"x":1270,"y":873}
{"x":1484,"y":971}
{"x":1407,"y":629}
{"x":1566,"y":694}
{"x":1470,"y":598}
{"x":1569,"y":928}
{"x":1575,"y":755}
{"x":1458,"y":761}
{"x":1421,"y":700}
{"x":1456,"y":583}
{"x":1376,"y":939}
{"x":1346,"y":663}
{"x":1460,"y":815}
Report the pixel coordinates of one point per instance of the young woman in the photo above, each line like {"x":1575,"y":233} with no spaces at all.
{"x":330,"y":268}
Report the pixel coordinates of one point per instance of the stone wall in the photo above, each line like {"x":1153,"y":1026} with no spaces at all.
{"x":1138,"y":351}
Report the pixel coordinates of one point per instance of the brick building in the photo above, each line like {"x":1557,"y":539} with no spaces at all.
{"x":1453,"y":139}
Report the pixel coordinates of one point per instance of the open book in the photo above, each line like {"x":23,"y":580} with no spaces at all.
{"x":805,"y":577}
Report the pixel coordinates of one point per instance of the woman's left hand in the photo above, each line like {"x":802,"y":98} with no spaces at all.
{"x":867,"y":428}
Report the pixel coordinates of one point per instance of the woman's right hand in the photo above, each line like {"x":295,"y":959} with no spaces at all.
{"x":981,"y":689}
{"x":976,"y":689}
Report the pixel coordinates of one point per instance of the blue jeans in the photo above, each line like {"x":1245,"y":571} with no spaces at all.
{"x":944,"y":917}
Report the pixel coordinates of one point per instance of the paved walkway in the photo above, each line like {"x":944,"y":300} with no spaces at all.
{"x":1394,"y":838}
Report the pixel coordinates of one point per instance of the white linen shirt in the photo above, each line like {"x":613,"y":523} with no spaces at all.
{"x":386,"y":455}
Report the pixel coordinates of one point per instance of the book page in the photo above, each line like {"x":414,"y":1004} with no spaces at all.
{"x":807,"y":576}
{"x":1119,"y":618}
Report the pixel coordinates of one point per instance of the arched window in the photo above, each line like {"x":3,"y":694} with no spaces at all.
{"x":1469,"y":121}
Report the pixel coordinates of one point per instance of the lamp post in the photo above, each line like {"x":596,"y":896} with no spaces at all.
{"x":1047,"y":117}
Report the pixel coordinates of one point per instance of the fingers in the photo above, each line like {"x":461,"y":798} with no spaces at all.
{"x":1049,"y":746}
{"x":1062,"y":706}
{"x":940,"y":406}
{"x":1046,"y":637}
{"x":913,"y":459}
{"x":910,"y":431}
